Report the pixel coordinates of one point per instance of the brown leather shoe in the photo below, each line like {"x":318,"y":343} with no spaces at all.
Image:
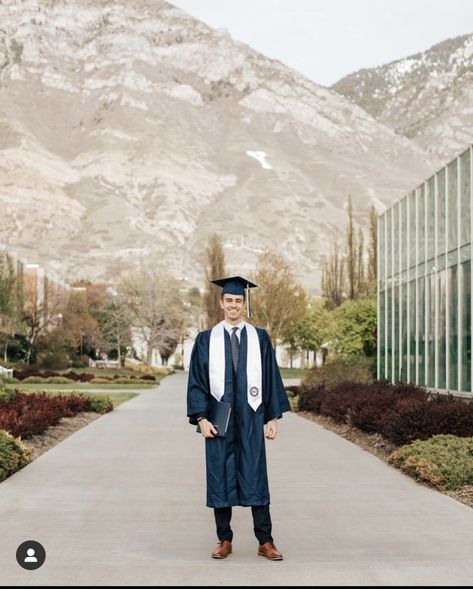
{"x":269,"y":550}
{"x":223,"y":549}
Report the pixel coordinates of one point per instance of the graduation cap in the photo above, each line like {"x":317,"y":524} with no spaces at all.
{"x":236,"y":285}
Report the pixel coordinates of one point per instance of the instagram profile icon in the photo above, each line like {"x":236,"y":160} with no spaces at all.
{"x":30,"y":555}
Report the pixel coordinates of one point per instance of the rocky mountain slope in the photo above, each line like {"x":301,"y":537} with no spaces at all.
{"x":129,"y":129}
{"x":427,"y":97}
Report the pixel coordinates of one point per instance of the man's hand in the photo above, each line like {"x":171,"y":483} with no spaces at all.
{"x":271,"y":429}
{"x":207,"y":429}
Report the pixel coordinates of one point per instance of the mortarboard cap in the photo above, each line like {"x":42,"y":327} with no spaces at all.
{"x":236,"y":285}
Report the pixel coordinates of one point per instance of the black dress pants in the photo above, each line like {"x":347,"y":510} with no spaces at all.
{"x":261,"y":523}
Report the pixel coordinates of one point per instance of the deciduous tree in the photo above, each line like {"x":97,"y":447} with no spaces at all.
{"x":279,"y":300}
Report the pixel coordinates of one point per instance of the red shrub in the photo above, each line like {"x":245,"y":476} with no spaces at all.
{"x":337,"y":401}
{"x":375,"y":400}
{"x":28,"y":415}
{"x":310,"y":399}
{"x":83,"y":377}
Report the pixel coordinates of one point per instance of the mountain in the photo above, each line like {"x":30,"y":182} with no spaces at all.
{"x":426,"y":97}
{"x":131,"y":130}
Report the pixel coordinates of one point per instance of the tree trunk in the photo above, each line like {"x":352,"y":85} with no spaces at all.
{"x":118,"y":349}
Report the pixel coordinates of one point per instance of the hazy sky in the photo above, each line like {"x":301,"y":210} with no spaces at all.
{"x":328,"y":39}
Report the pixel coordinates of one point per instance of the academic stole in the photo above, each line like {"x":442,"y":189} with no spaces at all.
{"x":253,"y":364}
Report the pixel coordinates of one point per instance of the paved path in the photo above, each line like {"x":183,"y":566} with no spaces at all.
{"x":122,"y":501}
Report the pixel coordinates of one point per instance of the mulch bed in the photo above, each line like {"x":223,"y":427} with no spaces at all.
{"x":53,"y":435}
{"x":380,"y":447}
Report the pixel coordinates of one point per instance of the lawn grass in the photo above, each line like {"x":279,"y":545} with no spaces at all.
{"x":293,"y":372}
{"x":82,"y":386}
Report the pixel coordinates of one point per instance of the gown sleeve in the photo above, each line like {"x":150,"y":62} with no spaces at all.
{"x":198,"y":388}
{"x":274,"y":394}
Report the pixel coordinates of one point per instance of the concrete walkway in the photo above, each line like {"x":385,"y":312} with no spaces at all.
{"x":122,"y":501}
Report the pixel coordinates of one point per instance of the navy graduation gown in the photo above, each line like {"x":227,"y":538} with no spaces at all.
{"x":236,"y":464}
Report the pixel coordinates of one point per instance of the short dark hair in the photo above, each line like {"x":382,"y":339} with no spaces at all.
{"x":229,"y":293}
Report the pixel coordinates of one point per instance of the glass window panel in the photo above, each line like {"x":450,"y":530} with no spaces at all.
{"x":465,"y":253}
{"x":421,"y":328}
{"x":441,"y":211}
{"x":440,"y":265}
{"x":388,"y":242}
{"x":441,"y":340}
{"x":421,"y":224}
{"x":412,"y":331}
{"x":452,"y":258}
{"x":465,"y":275}
{"x":382,"y":334}
{"x":381,"y":248}
{"x":403,"y":235}
{"x":430,"y":237}
{"x":395,"y":221}
{"x":430,"y":286}
{"x":452,"y":205}
{"x":396,"y":334}
{"x":430,"y":266}
{"x":412,"y":229}
{"x":453,"y":328}
{"x":389,"y":341}
{"x":403,"y":356}
{"x":465,"y":196}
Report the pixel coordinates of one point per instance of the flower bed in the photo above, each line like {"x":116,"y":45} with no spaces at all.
{"x":27,"y":415}
{"x":401,"y":413}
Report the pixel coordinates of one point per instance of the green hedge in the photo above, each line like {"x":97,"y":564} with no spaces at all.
{"x":99,"y":403}
{"x":5,"y":394}
{"x":122,"y":380}
{"x":340,"y":368}
{"x":13,"y":455}
{"x":445,"y":461}
{"x":9,"y":380}
{"x":51,"y":379}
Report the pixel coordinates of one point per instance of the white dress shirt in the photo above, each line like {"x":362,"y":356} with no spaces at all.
{"x":229,"y":327}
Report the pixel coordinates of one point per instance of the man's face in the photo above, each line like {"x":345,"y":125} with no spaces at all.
{"x":232,"y":306}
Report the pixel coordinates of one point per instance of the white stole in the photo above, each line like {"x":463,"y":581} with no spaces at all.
{"x":253,"y":364}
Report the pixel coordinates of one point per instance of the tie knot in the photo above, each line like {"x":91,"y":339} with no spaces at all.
{"x":234,"y":329}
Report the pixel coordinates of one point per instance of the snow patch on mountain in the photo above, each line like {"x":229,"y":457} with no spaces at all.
{"x":260,"y":156}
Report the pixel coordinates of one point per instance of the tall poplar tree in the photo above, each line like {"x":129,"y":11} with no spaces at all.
{"x":372,"y":253}
{"x":214,"y":269}
{"x":351,"y":253}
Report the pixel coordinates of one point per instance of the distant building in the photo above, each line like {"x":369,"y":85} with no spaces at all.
{"x":43,"y":290}
{"x":425,"y":282}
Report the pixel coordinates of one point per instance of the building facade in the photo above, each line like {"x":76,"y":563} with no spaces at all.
{"x":425,"y":282}
{"x":43,"y":290}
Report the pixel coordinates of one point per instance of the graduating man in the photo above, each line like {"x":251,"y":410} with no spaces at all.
{"x":235,"y":363}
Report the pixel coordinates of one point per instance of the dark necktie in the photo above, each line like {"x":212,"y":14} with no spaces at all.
{"x":235,"y":348}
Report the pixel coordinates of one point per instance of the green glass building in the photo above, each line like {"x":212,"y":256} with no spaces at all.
{"x":425,"y":282}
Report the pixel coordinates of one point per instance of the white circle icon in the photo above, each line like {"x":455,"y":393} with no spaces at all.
{"x":31,"y":557}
